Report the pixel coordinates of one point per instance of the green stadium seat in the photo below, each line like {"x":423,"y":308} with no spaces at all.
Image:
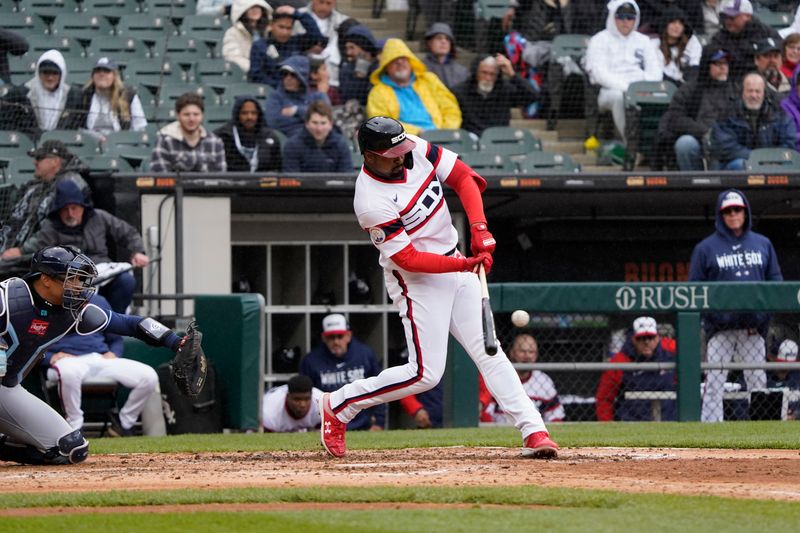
{"x":505,"y":140}
{"x":22,"y":68}
{"x":489,"y":163}
{"x":77,"y":142}
{"x":80,"y":69}
{"x":230,"y":91}
{"x":775,"y":20}
{"x":205,"y":28}
{"x":458,"y":140}
{"x":489,"y":9}
{"x":19,"y":170}
{"x":82,"y":27}
{"x":132,"y":155}
{"x":48,"y":9}
{"x":39,"y":44}
{"x":24,"y":23}
{"x":773,"y":160}
{"x":111,"y":9}
{"x":645,"y":103}
{"x":161,"y":115}
{"x":122,"y":49}
{"x":169,"y":93}
{"x":122,"y":140}
{"x":152,"y":73}
{"x":106,"y":163}
{"x":547,"y":162}
{"x":216,"y":72}
{"x":175,"y":9}
{"x":216,"y":116}
{"x":570,"y":45}
{"x":145,"y":27}
{"x":15,"y":142}
{"x":182,"y":49}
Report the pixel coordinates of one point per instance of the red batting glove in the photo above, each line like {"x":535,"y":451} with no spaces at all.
{"x":472,"y":263}
{"x":482,"y":240}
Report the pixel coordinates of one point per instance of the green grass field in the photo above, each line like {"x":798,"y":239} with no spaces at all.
{"x":561,"y":509}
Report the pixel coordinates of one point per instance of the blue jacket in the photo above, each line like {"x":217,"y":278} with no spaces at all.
{"x":724,"y":257}
{"x":330,"y":373}
{"x":267,"y":55}
{"x":351,"y":87}
{"x":302,"y":154}
{"x":733,"y":138}
{"x":82,"y":344}
{"x":281,"y":98}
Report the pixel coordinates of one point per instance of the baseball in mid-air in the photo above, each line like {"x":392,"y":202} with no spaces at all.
{"x":520,"y":318}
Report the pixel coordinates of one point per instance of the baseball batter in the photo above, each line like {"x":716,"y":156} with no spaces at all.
{"x":35,"y":312}
{"x":399,"y":200}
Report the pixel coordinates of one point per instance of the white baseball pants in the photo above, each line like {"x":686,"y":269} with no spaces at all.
{"x":431,"y":305}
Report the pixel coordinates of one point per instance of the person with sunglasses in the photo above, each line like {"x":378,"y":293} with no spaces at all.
{"x":733,"y":253}
{"x":642,"y":345}
{"x":619,"y":56}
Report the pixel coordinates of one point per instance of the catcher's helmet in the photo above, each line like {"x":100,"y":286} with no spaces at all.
{"x":68,"y":264}
{"x":384,"y":136}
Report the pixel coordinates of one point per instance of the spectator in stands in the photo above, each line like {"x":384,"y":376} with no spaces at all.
{"x":734,"y":252}
{"x":249,"y":19}
{"x":342,"y":359}
{"x":328,"y":20}
{"x":250,"y":146}
{"x":654,"y":11}
{"x":184,"y":145}
{"x":677,"y":46}
{"x":437,"y":11}
{"x":618,"y":56}
{"x":487,"y":96}
{"x":789,"y":379}
{"x":406,"y":91}
{"x":361,"y":60}
{"x":319,"y":79}
{"x":710,"y":17}
{"x":75,"y":358}
{"x":757,"y":122}
{"x":108,"y":105}
{"x":791,"y":104}
{"x":440,"y":56}
{"x":768,"y":61}
{"x":72,"y":220}
{"x":53,"y":163}
{"x":695,"y":107}
{"x":10,"y":43}
{"x":268,"y":54}
{"x":47,"y":102}
{"x":286,"y":107}
{"x":738,"y":33}
{"x":291,"y":408}
{"x":213,"y":7}
{"x":538,"y":386}
{"x":542,"y":20}
{"x":317,"y":147}
{"x":643,"y":345}
{"x":790,"y":52}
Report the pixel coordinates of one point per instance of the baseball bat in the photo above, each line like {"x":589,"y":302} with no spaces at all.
{"x":489,"y":336}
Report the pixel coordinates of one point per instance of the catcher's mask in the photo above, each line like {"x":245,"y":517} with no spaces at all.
{"x":74,"y":269}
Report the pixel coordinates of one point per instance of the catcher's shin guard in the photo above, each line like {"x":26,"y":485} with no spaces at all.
{"x":72,"y":448}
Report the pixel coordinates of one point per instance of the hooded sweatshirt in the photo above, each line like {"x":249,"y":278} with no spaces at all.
{"x":424,"y":104}
{"x":301,"y":153}
{"x":614,"y":61}
{"x":249,"y":151}
{"x":791,"y":104}
{"x":238,"y":40}
{"x":281,"y":99}
{"x":722,"y":256}
{"x":353,"y":87}
{"x":678,"y":69}
{"x":51,"y":107}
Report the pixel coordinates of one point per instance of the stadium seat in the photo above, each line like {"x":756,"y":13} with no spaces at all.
{"x":775,"y":20}
{"x":773,"y":159}
{"x":21,"y":68}
{"x":152,"y":73}
{"x":15,"y":142}
{"x":230,"y":91}
{"x":122,"y":49}
{"x":82,"y":27}
{"x":106,"y":163}
{"x":25,"y":24}
{"x":169,"y":93}
{"x":504,"y":140}
{"x":19,"y":170}
{"x":174,"y":9}
{"x":80,"y":69}
{"x":147,"y":28}
{"x":48,"y":9}
{"x":547,"y":162}
{"x":79,"y":143}
{"x":39,"y":44}
{"x":645,"y":102}
{"x":489,"y":163}
{"x":205,"y":28}
{"x":458,"y":140}
{"x":119,"y":139}
{"x":565,"y":47}
{"x":489,"y":9}
{"x":182,"y":49}
{"x":216,"y":72}
{"x":216,"y":116}
{"x":111,"y":9}
{"x":161,"y":115}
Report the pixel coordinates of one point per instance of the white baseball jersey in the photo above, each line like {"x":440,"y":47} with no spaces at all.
{"x":542,"y":391}
{"x":397,"y":212}
{"x":278,"y":420}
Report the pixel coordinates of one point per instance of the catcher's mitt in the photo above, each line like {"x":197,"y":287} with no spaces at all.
{"x":189,"y":367}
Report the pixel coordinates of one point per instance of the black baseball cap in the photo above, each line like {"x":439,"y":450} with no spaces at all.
{"x":770,"y":44}
{"x":626,"y":9}
{"x":51,"y":148}
{"x":49,"y":66}
{"x":720,"y":55}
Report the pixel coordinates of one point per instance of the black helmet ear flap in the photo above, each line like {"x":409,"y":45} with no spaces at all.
{"x":408,"y":160}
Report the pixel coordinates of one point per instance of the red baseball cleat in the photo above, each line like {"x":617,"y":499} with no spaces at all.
{"x":539,"y":446}
{"x":331,"y":431}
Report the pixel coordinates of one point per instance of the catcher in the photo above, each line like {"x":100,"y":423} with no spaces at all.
{"x":38,"y":310}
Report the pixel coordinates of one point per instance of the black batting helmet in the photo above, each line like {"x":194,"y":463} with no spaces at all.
{"x":384,"y":136}
{"x":76,"y":270}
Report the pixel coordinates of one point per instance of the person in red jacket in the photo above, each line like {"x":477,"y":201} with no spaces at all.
{"x":643,"y":345}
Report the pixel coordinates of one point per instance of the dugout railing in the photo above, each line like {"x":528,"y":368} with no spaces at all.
{"x":562,"y":313}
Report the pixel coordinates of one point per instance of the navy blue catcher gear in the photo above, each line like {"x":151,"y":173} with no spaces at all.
{"x":73,"y":268}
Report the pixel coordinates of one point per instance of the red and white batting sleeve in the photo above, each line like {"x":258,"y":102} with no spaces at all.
{"x":468,"y":185}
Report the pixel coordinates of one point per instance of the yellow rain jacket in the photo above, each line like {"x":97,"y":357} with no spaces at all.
{"x":440,"y":103}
